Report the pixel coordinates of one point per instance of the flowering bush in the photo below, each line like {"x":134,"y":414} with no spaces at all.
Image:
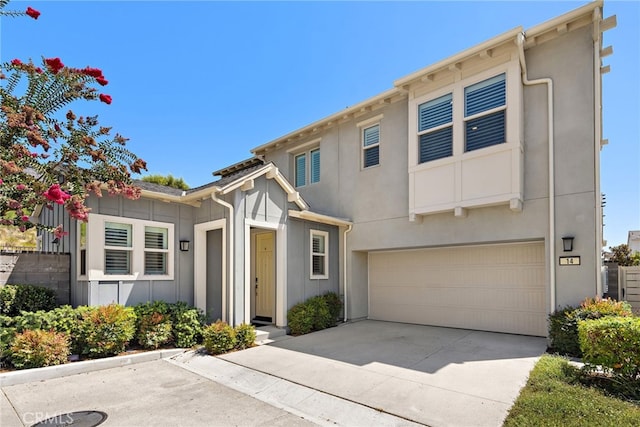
{"x":50,"y":157}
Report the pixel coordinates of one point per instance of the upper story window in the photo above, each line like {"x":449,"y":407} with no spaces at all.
{"x":485,"y":105}
{"x":307,"y":167}
{"x":435,"y":129}
{"x":371,"y":146}
{"x":484,"y":117}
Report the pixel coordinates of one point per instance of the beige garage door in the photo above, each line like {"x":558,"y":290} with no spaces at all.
{"x":490,"y":287}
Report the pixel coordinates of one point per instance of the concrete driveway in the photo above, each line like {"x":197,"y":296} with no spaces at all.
{"x":429,"y":375}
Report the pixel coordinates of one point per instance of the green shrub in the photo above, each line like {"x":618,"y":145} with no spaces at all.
{"x":613,"y":343}
{"x":219,"y":337}
{"x":563,"y":324}
{"x":334,"y":303}
{"x":17,"y":298}
{"x":188,"y":323}
{"x":106,"y":330}
{"x":154,"y":330}
{"x":245,"y":336}
{"x":7,"y":334}
{"x":148,"y":308}
{"x":300,"y":319}
{"x":320,"y":313}
{"x":35,"y":349}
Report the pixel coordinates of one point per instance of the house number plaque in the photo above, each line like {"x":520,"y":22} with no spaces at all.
{"x":569,"y":260}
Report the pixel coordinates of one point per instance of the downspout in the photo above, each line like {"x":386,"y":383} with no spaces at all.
{"x":231,"y":255}
{"x":344,"y":268}
{"x":552,"y":194}
{"x":597,"y":109}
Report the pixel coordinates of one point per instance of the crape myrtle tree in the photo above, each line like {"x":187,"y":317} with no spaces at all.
{"x":49,"y":154}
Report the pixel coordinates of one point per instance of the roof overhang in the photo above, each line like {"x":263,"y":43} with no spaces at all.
{"x":243,"y":183}
{"x":321,"y":218}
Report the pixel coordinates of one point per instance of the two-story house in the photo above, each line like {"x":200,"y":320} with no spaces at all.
{"x":467,"y":195}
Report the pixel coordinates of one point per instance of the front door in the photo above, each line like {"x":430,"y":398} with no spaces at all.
{"x":265,"y":277}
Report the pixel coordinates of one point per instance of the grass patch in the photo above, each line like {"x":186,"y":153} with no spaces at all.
{"x":555,"y":396}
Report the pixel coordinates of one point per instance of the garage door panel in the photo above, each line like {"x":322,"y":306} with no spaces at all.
{"x":492,"y":287}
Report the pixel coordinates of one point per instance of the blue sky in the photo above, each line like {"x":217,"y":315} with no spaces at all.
{"x":196,"y":85}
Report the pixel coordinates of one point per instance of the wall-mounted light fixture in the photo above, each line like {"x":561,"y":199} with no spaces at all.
{"x":184,"y":245}
{"x":567,"y":243}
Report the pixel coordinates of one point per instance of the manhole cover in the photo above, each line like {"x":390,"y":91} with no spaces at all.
{"x":76,"y":419}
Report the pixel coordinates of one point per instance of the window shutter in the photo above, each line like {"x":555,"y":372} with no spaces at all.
{"x":155,"y":263}
{"x":117,"y":262}
{"x":371,"y":156}
{"x":315,"y":166}
{"x":485,"y":95}
{"x":435,"y":113}
{"x":371,"y":135}
{"x":436,"y":145}
{"x":155,"y":238}
{"x":485,"y":131}
{"x":117,"y":234}
{"x":301,"y":173}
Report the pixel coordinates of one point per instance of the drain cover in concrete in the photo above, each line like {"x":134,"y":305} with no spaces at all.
{"x":76,"y":419}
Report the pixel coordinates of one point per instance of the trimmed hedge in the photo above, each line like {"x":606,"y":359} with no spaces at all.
{"x":563,"y":324}
{"x":613,"y":343}
{"x":17,"y":298}
{"x":314,"y":314}
{"x":219,"y":337}
{"x":38,"y":348}
{"x":245,"y":336}
{"x":106,"y":330}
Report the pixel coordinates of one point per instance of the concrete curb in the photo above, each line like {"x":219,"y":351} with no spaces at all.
{"x":50,"y":372}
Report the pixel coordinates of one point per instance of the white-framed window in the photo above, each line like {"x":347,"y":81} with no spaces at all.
{"x":118,"y":245}
{"x":307,"y":167}
{"x":127,"y":249}
{"x":371,"y":146}
{"x":435,"y":128}
{"x":482,"y":108}
{"x":319,"y":254}
{"x":156,"y":250}
{"x":485,"y":105}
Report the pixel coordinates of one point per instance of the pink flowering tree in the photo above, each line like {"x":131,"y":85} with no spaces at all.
{"x":48,"y":154}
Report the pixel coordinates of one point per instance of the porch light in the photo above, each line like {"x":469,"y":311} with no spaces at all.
{"x":184,"y":245}
{"x":567,"y":243}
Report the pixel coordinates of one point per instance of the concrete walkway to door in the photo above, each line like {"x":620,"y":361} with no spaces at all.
{"x":430,"y":375}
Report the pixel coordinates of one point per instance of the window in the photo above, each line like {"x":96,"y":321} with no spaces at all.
{"x":484,"y":113}
{"x":371,"y":146}
{"x":301,"y":168}
{"x":117,"y":248}
{"x":156,"y":250}
{"x":319,"y":256}
{"x":315,"y":166}
{"x":83,"y":249}
{"x":484,"y":118}
{"x":435,"y":129}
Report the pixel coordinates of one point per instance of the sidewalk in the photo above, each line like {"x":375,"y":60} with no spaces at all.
{"x":185,"y":390}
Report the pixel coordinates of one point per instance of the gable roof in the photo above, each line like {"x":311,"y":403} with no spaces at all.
{"x":237,"y":176}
